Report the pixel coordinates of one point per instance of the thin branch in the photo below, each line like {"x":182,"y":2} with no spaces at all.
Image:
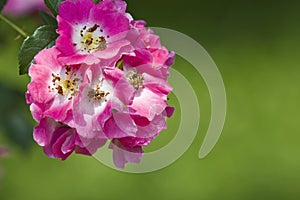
{"x":12,"y":25}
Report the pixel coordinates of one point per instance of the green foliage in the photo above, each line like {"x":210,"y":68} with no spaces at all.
{"x":53,"y":5}
{"x":2,"y":4}
{"x":14,"y":122}
{"x":43,"y":37}
{"x":47,"y":19}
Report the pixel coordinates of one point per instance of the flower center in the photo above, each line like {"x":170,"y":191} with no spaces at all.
{"x":97,"y":94}
{"x":92,"y":40}
{"x":135,"y":79}
{"x":67,"y":86}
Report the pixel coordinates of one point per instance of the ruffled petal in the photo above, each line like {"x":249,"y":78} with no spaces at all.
{"x":123,"y":154}
{"x":147,"y":104}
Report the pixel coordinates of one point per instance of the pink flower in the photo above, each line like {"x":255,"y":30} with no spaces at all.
{"x":105,"y":79}
{"x":149,"y":39}
{"x":158,"y":61}
{"x":91,"y":33}
{"x":94,"y":104}
{"x":53,"y":86}
{"x":151,"y":88}
{"x":140,"y":128}
{"x":3,"y":151}
{"x":150,"y":51}
{"x":59,"y":140}
{"x":129,"y":149}
{"x":143,"y":117}
{"x":22,"y":7}
{"x":144,"y":97}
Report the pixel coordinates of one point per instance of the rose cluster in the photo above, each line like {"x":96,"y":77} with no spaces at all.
{"x":105,"y":79}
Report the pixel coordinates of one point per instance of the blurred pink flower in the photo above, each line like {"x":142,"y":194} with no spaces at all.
{"x":22,"y":7}
{"x":3,"y":151}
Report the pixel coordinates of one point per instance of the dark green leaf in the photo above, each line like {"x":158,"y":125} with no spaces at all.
{"x":47,"y":19}
{"x":2,"y":4}
{"x":18,"y":129}
{"x":53,"y":5}
{"x":15,"y":123}
{"x":43,"y":37}
{"x":96,"y":1}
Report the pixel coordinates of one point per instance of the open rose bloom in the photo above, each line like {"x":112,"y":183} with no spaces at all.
{"x":105,"y":80}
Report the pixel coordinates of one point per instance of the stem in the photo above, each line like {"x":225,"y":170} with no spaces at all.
{"x":12,"y":25}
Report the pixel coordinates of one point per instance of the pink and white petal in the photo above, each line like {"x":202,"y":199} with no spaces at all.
{"x":111,"y":130}
{"x":115,"y":122}
{"x":77,"y":59}
{"x":160,"y":55}
{"x":111,"y":16}
{"x":124,"y":122}
{"x":139,"y":58}
{"x":69,"y":143}
{"x":43,"y":132}
{"x":64,"y":42}
{"x":88,"y":146}
{"x":114,"y":74}
{"x":150,"y":39}
{"x":105,"y":113}
{"x":123,"y":155}
{"x":37,"y":112}
{"x":86,"y":116}
{"x":58,"y":144}
{"x":75,"y":11}
{"x":157,"y":71}
{"x":139,"y":24}
{"x":157,"y":85}
{"x":89,"y":127}
{"x":153,"y":128}
{"x":38,"y":87}
{"x":114,"y":5}
{"x":148,"y":104}
{"x":48,"y":58}
{"x":122,"y":88}
{"x":112,"y":49}
{"x":111,"y":62}
{"x":59,"y":109}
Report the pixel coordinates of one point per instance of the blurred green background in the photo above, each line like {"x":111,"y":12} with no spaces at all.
{"x":255,"y":44}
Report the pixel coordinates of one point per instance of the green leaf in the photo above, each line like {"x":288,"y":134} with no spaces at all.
{"x":47,"y":19}
{"x":43,"y":37}
{"x":2,"y":4}
{"x":53,"y":5}
{"x":96,"y":1}
{"x":16,"y":123}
